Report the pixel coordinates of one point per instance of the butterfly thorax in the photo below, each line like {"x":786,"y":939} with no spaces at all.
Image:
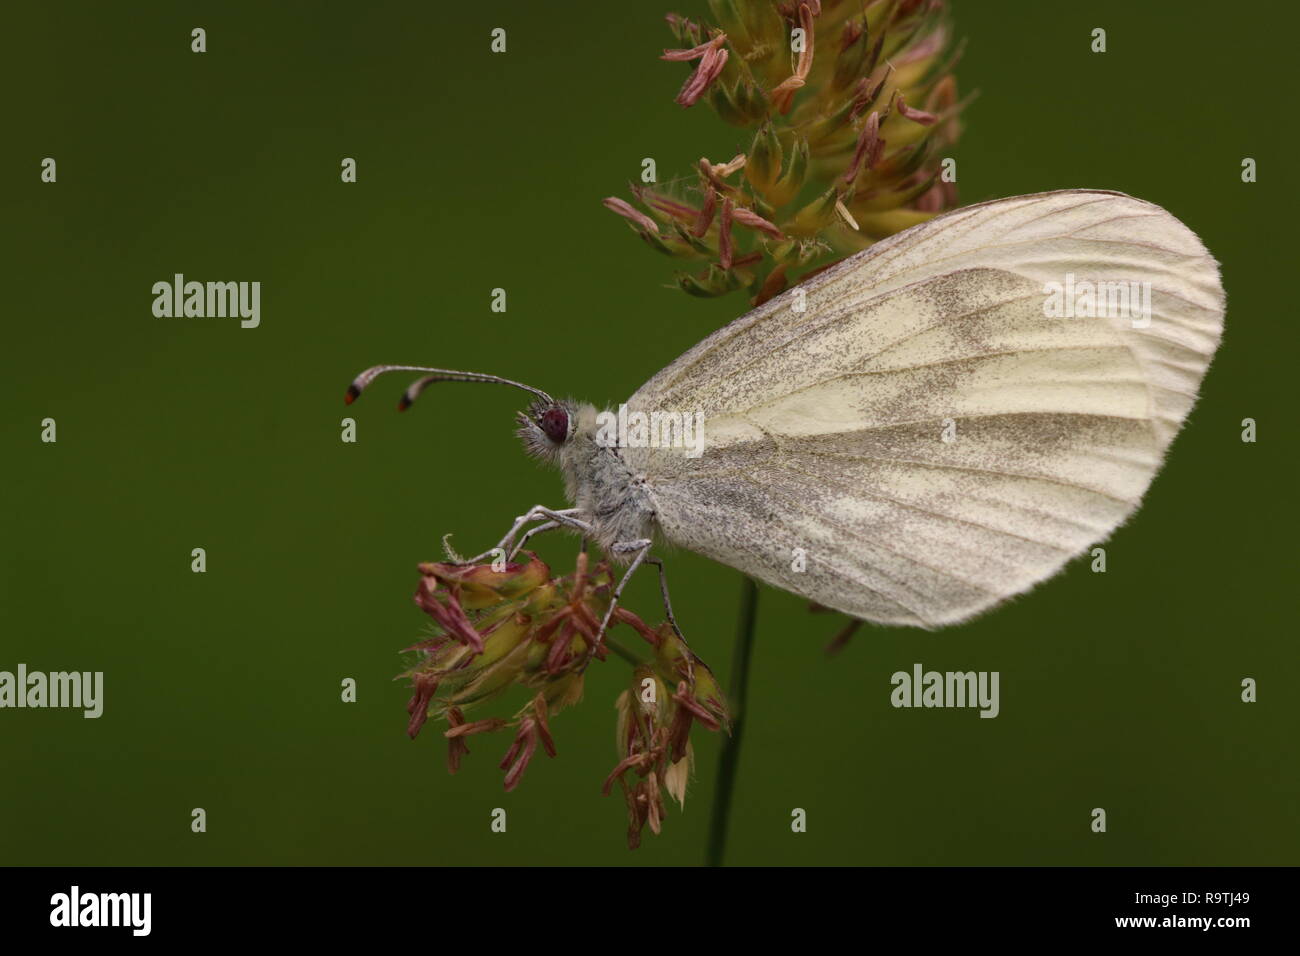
{"x":612,"y":497}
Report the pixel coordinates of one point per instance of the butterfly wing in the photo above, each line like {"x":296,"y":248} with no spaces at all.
{"x":923,"y":441}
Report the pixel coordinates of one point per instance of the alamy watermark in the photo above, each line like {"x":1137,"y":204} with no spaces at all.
{"x":198,"y":300}
{"x":947,"y":689}
{"x":656,"y":429}
{"x":82,"y":690}
{"x":1085,"y":299}
{"x":76,"y":908}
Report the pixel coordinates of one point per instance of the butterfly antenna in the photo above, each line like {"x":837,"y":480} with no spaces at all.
{"x":360,"y":383}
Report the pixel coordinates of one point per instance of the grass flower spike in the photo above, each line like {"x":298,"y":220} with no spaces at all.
{"x":851,"y":105}
{"x":497,"y":627}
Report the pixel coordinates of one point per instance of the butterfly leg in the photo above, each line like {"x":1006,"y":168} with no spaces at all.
{"x":672,"y":619}
{"x":566,"y":517}
{"x":535,"y":529}
{"x":640,"y":549}
{"x":663,"y":591}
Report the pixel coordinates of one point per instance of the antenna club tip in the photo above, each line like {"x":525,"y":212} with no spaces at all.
{"x":351,"y":395}
{"x":404,"y":404}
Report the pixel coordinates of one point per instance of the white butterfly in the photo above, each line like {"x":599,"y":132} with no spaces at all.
{"x":915,"y":434}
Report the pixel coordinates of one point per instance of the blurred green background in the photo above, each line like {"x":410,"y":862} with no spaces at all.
{"x":479,"y":171}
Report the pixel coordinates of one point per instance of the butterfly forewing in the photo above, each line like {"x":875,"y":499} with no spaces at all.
{"x":928,"y":436}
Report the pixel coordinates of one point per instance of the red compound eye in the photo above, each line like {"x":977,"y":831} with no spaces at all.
{"x":555,"y":422}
